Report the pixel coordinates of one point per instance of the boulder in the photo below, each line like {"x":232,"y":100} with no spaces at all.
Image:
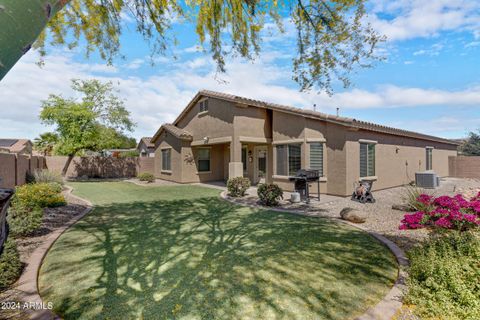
{"x":353,"y":215}
{"x":402,"y":207}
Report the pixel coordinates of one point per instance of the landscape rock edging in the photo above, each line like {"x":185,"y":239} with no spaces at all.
{"x":27,"y":285}
{"x":392,"y":302}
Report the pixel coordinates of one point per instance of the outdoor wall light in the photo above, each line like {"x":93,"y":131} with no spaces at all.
{"x":205,"y":139}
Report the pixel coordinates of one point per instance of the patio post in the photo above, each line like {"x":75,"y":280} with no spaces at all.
{"x":235,"y":167}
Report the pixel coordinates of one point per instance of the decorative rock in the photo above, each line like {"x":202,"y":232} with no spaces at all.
{"x":401,"y":207}
{"x":353,"y":215}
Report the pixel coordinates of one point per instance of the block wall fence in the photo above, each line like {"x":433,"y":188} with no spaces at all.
{"x":15,"y":167}
{"x":464,"y":167}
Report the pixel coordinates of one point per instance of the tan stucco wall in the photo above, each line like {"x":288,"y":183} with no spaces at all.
{"x":7,"y":170}
{"x":167,"y":140}
{"x":396,"y":158}
{"x":464,"y":167}
{"x":233,"y":123}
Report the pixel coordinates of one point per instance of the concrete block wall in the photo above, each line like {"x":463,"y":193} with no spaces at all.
{"x":464,"y":167}
{"x":14,"y":168}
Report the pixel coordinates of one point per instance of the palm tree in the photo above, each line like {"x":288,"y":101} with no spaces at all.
{"x":45,"y":143}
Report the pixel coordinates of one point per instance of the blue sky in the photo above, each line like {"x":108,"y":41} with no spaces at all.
{"x":429,"y":82}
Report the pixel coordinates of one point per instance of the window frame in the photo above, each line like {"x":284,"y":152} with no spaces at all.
{"x":169,"y":167}
{"x":287,"y":146}
{"x":322,"y":144}
{"x":203,"y":106}
{"x":245,"y":167}
{"x":428,"y":158}
{"x":368,"y":144}
{"x":209,"y":160}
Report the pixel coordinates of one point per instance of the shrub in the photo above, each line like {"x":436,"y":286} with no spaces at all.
{"x":24,"y":221}
{"x":46,"y":176}
{"x":129,"y":154}
{"x":41,"y":195}
{"x":146,"y":177}
{"x":416,"y":200}
{"x":445,"y":212}
{"x":10,"y":265}
{"x":443,"y":277}
{"x":238,"y":186}
{"x":269,"y":194}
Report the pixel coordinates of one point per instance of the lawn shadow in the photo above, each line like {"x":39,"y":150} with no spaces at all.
{"x":208,"y":259}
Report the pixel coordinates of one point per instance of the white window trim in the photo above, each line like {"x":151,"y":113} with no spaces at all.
{"x":367,"y":141}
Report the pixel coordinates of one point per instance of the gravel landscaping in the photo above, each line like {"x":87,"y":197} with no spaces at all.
{"x":381,"y":217}
{"x":54,"y":219}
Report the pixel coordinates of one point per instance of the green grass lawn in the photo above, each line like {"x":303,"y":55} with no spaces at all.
{"x":183,"y":253}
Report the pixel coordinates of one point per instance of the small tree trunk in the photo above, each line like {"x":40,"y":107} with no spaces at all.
{"x":67,"y":164}
{"x":21,"y":22}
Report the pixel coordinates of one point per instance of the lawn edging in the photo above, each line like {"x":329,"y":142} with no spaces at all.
{"x":392,"y":302}
{"x":27,"y":285}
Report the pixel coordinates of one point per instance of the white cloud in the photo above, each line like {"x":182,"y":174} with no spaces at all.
{"x":420,"y":18}
{"x":157,"y":99}
{"x":409,"y":62}
{"x":135,"y":64}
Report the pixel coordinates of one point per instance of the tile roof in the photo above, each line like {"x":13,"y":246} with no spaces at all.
{"x":148,"y":142}
{"x":350,"y":122}
{"x":176,"y":131}
{"x":13,"y":145}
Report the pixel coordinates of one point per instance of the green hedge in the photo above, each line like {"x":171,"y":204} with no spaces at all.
{"x":10,"y":265}
{"x":41,"y":195}
{"x":444,"y":277}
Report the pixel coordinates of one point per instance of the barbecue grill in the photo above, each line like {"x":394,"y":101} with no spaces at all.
{"x":302,"y":179}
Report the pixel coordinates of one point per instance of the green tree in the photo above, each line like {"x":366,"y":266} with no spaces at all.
{"x":45,"y":143}
{"x":471,"y":147}
{"x":332,"y":35}
{"x":96,"y":122}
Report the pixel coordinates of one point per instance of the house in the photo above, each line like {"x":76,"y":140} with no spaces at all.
{"x":19,"y":146}
{"x":219,"y":135}
{"x":145,"y":147}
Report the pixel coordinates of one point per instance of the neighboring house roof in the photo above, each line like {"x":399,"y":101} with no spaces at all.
{"x":175,"y":131}
{"x":147,"y":141}
{"x":349,"y":122}
{"x":14,"y":145}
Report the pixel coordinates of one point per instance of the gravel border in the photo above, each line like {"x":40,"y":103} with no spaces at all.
{"x":392,"y":302}
{"x":27,"y":286}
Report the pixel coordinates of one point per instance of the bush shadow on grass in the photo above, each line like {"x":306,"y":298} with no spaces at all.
{"x":206,"y":258}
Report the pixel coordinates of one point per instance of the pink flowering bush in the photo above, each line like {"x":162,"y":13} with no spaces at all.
{"x":444,"y":212}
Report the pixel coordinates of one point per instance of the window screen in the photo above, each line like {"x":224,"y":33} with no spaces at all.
{"x":294,"y":159}
{"x":282,"y":160}
{"x":203,"y":160}
{"x":204,"y":106}
{"x":166,"y":159}
{"x":316,"y":157}
{"x":429,"y":160}
{"x":367,"y":159}
{"x":289,"y":159}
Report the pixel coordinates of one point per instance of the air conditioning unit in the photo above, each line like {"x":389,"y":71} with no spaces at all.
{"x":427,"y":180}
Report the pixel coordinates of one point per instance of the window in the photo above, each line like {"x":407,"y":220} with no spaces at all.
{"x":204,"y":106}
{"x":367,"y":159}
{"x":316,"y":157}
{"x":289,"y":159}
{"x":244,"y":158}
{"x":429,"y":160}
{"x":167,"y":159}
{"x":203,"y":160}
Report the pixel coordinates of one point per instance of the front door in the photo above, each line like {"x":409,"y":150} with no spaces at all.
{"x":260,"y":164}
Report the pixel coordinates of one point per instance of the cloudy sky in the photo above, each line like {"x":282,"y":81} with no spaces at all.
{"x":429,"y":82}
